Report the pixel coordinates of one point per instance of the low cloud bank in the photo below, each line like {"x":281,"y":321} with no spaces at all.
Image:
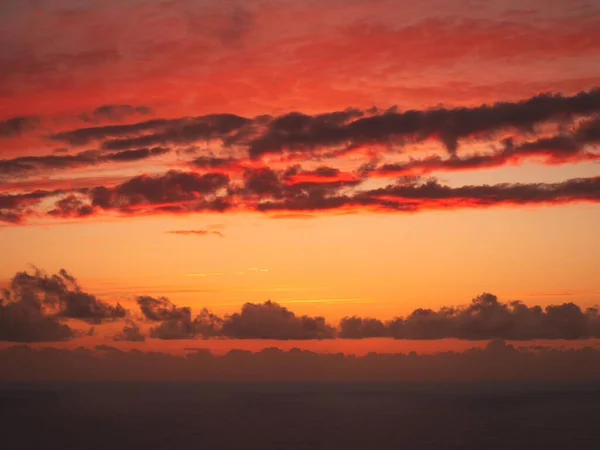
{"x":497,"y":362}
{"x":36,"y":308}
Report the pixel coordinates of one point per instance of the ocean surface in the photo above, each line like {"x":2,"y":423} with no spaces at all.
{"x":212,"y":416}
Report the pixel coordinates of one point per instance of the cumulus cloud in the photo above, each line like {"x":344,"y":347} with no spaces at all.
{"x":130,"y":332}
{"x":485,"y":318}
{"x":24,"y":320}
{"x":34,"y":306}
{"x":61,"y":295}
{"x":270,"y":320}
{"x":161,"y":309}
{"x":176,"y":322}
{"x":358,"y":328}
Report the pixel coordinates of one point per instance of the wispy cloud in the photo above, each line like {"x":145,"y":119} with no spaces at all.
{"x":196,"y":232}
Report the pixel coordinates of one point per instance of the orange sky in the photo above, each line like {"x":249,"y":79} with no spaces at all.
{"x":342,"y":243}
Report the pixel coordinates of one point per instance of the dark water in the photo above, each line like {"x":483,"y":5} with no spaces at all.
{"x":298,"y":416}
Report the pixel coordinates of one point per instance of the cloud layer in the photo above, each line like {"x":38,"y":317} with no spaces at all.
{"x":36,"y":307}
{"x":497,"y":362}
{"x":298,"y":162}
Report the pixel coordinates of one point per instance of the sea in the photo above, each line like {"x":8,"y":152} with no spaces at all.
{"x":335,"y":416}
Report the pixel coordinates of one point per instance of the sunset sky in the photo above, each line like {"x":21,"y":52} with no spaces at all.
{"x":337,"y":157}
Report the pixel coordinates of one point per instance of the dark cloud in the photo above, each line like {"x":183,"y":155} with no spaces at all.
{"x":427,"y":194}
{"x":114,"y":113}
{"x":137,"y":154}
{"x":415,"y":196}
{"x":23,"y":165}
{"x":130,"y":332}
{"x":292,"y":185}
{"x":272,"y":321}
{"x":301,"y":132}
{"x":358,"y":328}
{"x":184,"y":131}
{"x":484,"y":318}
{"x":158,"y":132}
{"x":213,"y":162}
{"x":24,"y":320}
{"x":34,"y":305}
{"x":264,"y":189}
{"x":84,"y":136}
{"x":18,"y":125}
{"x":174,"y":191}
{"x":161,"y":309}
{"x":298,"y":132}
{"x":560,"y":149}
{"x":61,"y":295}
{"x":13,"y":207}
{"x":174,"y":329}
{"x":176,"y":322}
{"x":173,"y":322}
{"x":343,"y":130}
{"x":105,"y":348}
{"x":497,"y":361}
{"x":262,"y":181}
{"x":196,"y":232}
{"x":71,"y":206}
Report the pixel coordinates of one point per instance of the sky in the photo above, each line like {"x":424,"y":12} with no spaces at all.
{"x":299,"y":170}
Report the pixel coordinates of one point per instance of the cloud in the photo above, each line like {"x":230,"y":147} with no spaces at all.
{"x":105,"y":348}
{"x":71,"y":206}
{"x":560,"y":149}
{"x":14,"y":206}
{"x":114,"y":113}
{"x":172,"y":187}
{"x":359,"y":328}
{"x":214,"y":162}
{"x":297,"y":132}
{"x":484,"y":318}
{"x":498,"y":361}
{"x":342,"y":130}
{"x":130,"y":332}
{"x":35,"y":305}
{"x":84,"y":136}
{"x":25,"y":165}
{"x":433,"y":195}
{"x":18,"y":125}
{"x":177,"y":131}
{"x":196,"y":232}
{"x":23,"y":320}
{"x":272,"y":321}
{"x":176,"y":322}
{"x":263,"y":190}
{"x":161,"y":309}
{"x":60,"y":295}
